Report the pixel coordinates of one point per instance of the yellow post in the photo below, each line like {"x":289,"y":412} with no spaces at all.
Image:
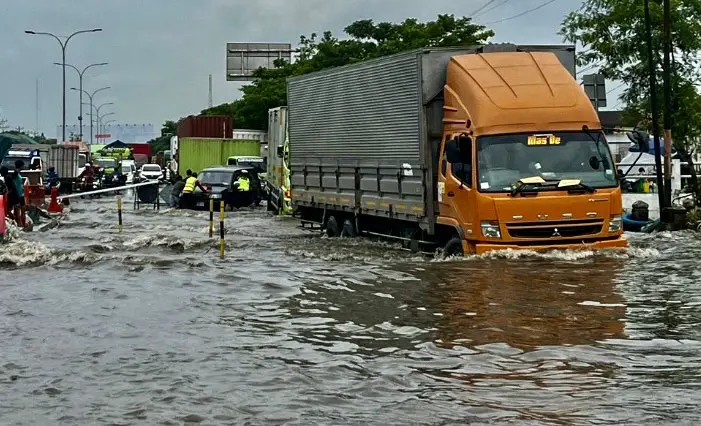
{"x":211,"y":218}
{"x":119,"y":212}
{"x":221,"y":228}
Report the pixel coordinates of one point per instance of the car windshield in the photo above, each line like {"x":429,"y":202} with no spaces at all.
{"x":215,"y":178}
{"x":505,"y":159}
{"x":151,"y":168}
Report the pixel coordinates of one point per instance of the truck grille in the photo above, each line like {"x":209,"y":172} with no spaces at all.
{"x":555,"y":229}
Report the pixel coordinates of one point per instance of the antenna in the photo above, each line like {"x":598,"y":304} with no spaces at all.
{"x":211,"y":103}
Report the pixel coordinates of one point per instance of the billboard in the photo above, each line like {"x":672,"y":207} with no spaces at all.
{"x":244,"y":58}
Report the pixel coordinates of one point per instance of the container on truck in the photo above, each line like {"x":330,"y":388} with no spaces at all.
{"x":277,"y":180}
{"x":199,"y":153}
{"x":213,"y":126}
{"x":467,"y":150}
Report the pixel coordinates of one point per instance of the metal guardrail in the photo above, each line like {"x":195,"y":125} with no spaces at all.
{"x":106,"y":190}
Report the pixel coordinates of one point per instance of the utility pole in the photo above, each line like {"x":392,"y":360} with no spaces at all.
{"x":37,"y":106}
{"x":653,"y":106}
{"x":211,"y":102}
{"x":666,"y":71}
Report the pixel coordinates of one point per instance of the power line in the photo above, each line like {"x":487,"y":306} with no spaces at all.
{"x":482,"y":7}
{"x":542,"y":5}
{"x":482,"y":13}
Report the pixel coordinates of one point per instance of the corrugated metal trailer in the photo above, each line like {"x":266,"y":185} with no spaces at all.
{"x":199,"y":153}
{"x":365,"y":137}
{"x":64,"y":158}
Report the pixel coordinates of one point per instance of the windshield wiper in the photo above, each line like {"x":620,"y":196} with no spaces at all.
{"x":534,"y":182}
{"x":573,"y":184}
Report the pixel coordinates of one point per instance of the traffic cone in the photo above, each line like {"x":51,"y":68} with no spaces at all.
{"x":54,"y":206}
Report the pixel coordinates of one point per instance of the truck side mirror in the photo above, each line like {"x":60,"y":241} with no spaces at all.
{"x":452,"y":151}
{"x":640,"y":138}
{"x":280,"y":151}
{"x":465,"y":144}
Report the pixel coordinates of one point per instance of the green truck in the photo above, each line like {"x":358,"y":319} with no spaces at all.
{"x":199,"y":153}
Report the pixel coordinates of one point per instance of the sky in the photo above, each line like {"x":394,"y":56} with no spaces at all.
{"x":161,"y":52}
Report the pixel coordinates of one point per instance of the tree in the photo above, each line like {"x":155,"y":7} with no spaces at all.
{"x":367,"y":40}
{"x":613,"y":35}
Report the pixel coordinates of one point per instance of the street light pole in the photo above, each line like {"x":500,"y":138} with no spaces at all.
{"x":63,"y":56}
{"x":90,"y":96}
{"x":99,"y":119}
{"x":80,"y":82}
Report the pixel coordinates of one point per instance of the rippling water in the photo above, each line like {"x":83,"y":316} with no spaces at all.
{"x":150,"y":326}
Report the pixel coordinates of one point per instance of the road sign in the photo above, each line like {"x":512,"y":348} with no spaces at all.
{"x":242,"y":59}
{"x":595,"y":88}
{"x":103,"y":136}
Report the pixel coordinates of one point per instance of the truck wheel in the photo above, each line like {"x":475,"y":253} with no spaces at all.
{"x":348,"y":229}
{"x":332,"y":228}
{"x":453,"y":248}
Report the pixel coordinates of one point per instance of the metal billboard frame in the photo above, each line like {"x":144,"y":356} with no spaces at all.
{"x":242,"y":59}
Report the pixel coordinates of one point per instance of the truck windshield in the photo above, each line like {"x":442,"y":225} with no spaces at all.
{"x":9,"y":162}
{"x":504,"y":159}
{"x":259,"y":166}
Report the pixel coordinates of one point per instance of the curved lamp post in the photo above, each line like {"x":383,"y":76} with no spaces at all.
{"x":63,"y":56}
{"x":80,"y":82}
{"x":90,"y":96}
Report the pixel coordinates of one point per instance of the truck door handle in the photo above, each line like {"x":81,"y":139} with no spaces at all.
{"x":451,"y":194}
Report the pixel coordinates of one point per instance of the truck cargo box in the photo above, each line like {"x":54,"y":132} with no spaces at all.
{"x":64,"y":158}
{"x":199,"y":153}
{"x":366,"y":136}
{"x":213,"y":126}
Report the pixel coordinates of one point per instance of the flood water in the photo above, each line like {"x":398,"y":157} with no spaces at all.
{"x":150,"y":326}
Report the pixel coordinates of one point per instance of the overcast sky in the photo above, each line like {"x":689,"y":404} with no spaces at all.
{"x":160,"y":52}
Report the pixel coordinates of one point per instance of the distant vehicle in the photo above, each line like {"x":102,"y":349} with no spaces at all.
{"x":150,"y":172}
{"x":221,"y":181}
{"x":129,"y":170}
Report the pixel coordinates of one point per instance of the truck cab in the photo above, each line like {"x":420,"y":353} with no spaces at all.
{"x":33,"y":165}
{"x":521,"y":170}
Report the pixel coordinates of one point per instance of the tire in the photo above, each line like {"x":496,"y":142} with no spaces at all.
{"x":453,"y":248}
{"x":349,"y":229}
{"x":332,"y":228}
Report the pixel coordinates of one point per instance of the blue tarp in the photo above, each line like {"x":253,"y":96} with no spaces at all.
{"x":651,"y":151}
{"x":117,"y":144}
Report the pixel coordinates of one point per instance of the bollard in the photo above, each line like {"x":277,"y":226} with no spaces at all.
{"x":119,"y":212}
{"x":221,"y":229}
{"x":211,"y":218}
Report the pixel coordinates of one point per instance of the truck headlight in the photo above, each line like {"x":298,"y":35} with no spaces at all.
{"x":490,"y":229}
{"x":615,"y":223}
{"x":216,"y":196}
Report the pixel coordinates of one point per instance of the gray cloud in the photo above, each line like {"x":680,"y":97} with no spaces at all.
{"x":161,"y":51}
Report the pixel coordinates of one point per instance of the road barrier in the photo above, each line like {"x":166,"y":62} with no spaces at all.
{"x":3,"y":225}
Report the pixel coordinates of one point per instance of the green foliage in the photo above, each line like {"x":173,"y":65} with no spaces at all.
{"x":367,"y":40}
{"x":613,"y":35}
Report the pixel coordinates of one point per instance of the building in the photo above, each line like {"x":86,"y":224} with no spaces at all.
{"x":128,"y":133}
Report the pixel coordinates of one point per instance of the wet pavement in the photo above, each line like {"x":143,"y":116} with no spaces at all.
{"x":150,"y":326}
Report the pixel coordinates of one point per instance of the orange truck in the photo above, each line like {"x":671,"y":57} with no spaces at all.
{"x":467,"y":150}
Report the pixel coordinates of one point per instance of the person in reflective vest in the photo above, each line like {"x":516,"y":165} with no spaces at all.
{"x":244,"y":184}
{"x":191,"y":183}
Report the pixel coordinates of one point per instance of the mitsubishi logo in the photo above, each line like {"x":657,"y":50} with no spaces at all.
{"x":556,"y":233}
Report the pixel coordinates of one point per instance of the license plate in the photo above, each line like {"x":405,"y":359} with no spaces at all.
{"x":200,"y":204}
